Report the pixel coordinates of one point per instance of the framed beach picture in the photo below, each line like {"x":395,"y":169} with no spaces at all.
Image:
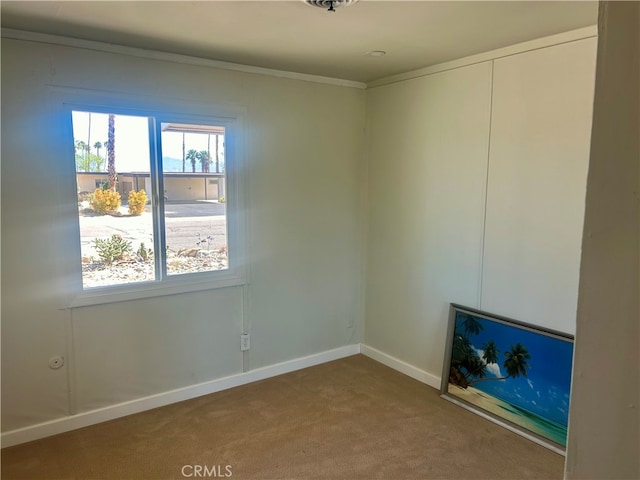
{"x":515,"y":374}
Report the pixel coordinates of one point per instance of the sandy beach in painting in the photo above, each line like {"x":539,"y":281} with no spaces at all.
{"x":532,"y":422}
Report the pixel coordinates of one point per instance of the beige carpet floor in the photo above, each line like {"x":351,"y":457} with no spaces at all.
{"x":349,"y":419}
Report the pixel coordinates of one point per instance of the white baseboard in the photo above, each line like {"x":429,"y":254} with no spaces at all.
{"x":65,"y":424}
{"x":85,"y":419}
{"x":403,"y":367}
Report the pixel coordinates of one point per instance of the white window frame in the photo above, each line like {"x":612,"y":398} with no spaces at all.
{"x":66,"y":100}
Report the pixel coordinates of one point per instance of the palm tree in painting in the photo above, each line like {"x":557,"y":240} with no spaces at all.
{"x":470,"y":324}
{"x":474,"y":367}
{"x":516,"y":362}
{"x":111,"y":153}
{"x":461,"y":348}
{"x":490,"y":352}
{"x":192,"y":156}
{"x":469,"y":364}
{"x":466,"y":365}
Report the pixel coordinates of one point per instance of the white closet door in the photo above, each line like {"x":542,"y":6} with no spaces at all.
{"x":539,"y":154}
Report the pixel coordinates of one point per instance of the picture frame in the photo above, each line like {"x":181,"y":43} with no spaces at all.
{"x":512,"y":373}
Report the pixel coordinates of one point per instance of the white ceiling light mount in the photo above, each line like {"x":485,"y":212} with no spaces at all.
{"x":329,"y":5}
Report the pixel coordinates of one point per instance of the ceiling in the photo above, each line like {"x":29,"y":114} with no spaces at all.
{"x":292,"y":36}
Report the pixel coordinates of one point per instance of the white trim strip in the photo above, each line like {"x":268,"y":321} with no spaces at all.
{"x":565,"y":37}
{"x":171,"y":57}
{"x":485,"y":193}
{"x":538,"y":43}
{"x":402,"y":367}
{"x":85,"y":419}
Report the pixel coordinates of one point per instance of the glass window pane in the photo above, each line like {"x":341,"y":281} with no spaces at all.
{"x":195,"y":198}
{"x":116,"y":223}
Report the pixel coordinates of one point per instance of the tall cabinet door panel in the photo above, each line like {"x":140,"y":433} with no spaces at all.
{"x":539,"y":154}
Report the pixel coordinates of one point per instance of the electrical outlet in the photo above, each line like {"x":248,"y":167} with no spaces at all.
{"x":56,"y":362}
{"x":245,"y":342}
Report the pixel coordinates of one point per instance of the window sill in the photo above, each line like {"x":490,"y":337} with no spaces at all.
{"x":170,"y":286}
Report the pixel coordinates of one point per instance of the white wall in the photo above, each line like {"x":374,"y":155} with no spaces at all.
{"x":87,"y":183}
{"x":303,"y":149}
{"x":514,"y":133}
{"x":604,"y":424}
{"x":428,"y":141}
{"x":185,"y":188}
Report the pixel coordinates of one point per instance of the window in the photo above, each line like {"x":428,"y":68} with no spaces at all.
{"x":131,"y":236}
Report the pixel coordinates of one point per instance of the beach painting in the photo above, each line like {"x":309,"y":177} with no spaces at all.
{"x":516,"y":374}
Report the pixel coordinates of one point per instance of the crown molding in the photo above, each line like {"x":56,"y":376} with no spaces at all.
{"x":565,"y":37}
{"x":171,"y":57}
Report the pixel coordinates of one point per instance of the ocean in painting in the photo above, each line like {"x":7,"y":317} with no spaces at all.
{"x":528,"y":420}
{"x":513,"y":371}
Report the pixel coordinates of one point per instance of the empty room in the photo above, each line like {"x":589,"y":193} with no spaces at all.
{"x":320,"y":239}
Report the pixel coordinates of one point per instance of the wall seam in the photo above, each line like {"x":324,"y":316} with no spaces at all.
{"x":246,"y":325}
{"x":486,"y":192}
{"x":72,"y":401}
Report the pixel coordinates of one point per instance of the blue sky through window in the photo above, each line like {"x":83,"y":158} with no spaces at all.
{"x":132,"y":140}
